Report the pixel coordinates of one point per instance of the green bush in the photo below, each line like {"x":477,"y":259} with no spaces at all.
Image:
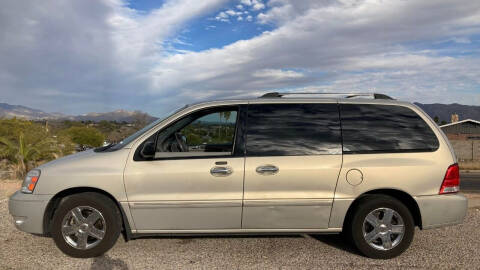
{"x":85,"y":136}
{"x":24,"y":143}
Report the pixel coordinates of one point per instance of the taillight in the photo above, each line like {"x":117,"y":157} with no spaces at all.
{"x":451,"y":182}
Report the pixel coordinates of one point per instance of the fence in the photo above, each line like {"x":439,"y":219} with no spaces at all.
{"x":466,"y":149}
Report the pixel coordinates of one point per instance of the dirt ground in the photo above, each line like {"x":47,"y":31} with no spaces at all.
{"x":7,"y":187}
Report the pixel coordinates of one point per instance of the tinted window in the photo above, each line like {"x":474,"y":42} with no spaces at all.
{"x":384,"y":128}
{"x":293,"y":129}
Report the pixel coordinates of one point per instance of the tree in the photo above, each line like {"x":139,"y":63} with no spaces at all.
{"x":226,"y":115}
{"x":85,"y":136}
{"x":436,"y":119}
{"x":106,"y":126}
{"x":443,"y":123}
{"x":11,"y":128}
{"x":64,"y":143}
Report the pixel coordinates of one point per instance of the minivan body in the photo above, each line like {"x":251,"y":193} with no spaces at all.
{"x":369,"y":169}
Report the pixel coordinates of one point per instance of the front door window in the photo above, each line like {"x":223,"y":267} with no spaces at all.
{"x":207,"y":133}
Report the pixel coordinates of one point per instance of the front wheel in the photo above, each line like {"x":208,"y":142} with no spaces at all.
{"x":86,"y":225}
{"x":382,"y":227}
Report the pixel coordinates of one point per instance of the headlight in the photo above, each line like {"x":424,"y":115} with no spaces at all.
{"x":30,"y":181}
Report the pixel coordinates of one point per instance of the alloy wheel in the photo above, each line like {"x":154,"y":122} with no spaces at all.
{"x":383,"y":228}
{"x":83,"y":227}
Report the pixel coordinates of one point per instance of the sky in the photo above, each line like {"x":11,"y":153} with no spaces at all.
{"x":85,"y":56}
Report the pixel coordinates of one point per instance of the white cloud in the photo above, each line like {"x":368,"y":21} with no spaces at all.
{"x":262,"y":17}
{"x":257,"y":5}
{"x":99,"y":55}
{"x":277,"y":74}
{"x":222,"y":17}
{"x":222,"y":14}
{"x":231,"y":12}
{"x":254,"y":4}
{"x":246,"y":2}
{"x":461,"y":40}
{"x":138,"y":36}
{"x":351,"y":46}
{"x":426,"y":79}
{"x":95,"y":53}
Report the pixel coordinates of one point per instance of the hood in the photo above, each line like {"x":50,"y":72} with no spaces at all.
{"x":70,"y":158}
{"x":87,"y":161}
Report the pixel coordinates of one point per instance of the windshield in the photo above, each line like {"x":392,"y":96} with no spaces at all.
{"x":137,"y":134}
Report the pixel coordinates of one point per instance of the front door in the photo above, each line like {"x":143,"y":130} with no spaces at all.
{"x":294,"y":156}
{"x":194,"y":180}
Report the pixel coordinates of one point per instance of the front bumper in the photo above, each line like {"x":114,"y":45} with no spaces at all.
{"x":28,"y":211}
{"x":442,"y":210}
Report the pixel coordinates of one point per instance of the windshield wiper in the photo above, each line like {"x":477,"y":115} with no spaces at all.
{"x":103,"y":148}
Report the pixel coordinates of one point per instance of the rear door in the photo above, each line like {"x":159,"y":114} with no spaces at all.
{"x":293,"y":160}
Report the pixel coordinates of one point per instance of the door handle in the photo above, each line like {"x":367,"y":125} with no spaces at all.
{"x":267,"y":169}
{"x":221,"y":171}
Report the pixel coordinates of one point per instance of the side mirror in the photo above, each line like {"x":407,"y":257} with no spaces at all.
{"x":148,"y":150}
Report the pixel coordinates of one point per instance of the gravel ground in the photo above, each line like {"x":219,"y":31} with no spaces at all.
{"x":445,"y":248}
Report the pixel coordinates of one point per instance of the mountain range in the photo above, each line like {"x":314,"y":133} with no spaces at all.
{"x":442,"y":111}
{"x":445,"y":111}
{"x":19,"y":111}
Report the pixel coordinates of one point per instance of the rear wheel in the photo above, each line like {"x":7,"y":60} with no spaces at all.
{"x":382,"y":227}
{"x":86,"y":225}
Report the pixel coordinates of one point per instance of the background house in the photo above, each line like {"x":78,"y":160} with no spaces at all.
{"x":467,"y":129}
{"x":465,"y":138}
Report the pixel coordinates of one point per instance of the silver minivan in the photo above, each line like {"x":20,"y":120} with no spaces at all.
{"x":372,"y":169}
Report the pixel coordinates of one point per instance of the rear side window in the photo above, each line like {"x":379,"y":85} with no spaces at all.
{"x":293,"y":129}
{"x":368,"y":128}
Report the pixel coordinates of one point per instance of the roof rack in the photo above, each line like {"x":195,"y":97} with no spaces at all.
{"x":346,"y":95}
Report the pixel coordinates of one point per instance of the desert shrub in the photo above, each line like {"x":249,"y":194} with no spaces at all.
{"x":24,"y":143}
{"x":85,"y":136}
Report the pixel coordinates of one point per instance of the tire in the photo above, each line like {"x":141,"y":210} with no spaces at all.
{"x":91,"y":224}
{"x":360,"y":228}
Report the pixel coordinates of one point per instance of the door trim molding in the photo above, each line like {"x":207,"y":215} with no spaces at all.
{"x":288,"y":202}
{"x":185,"y":204}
